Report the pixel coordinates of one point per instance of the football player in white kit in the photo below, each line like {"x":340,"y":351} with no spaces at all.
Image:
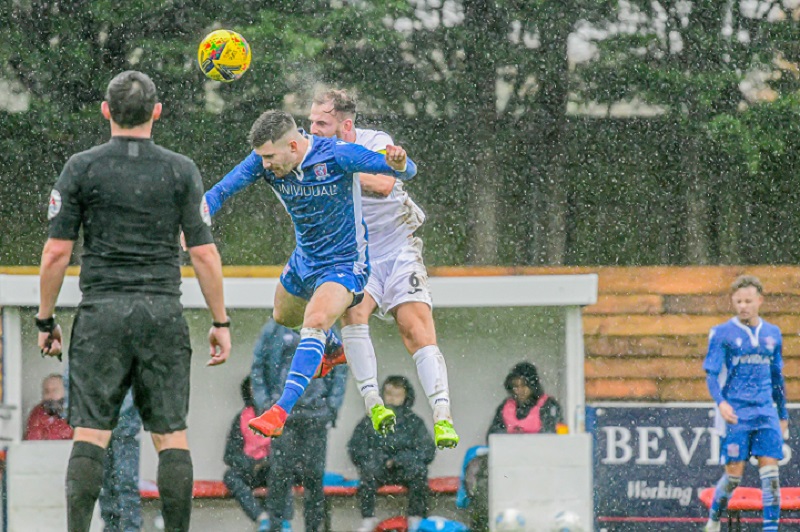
{"x":398,"y":282}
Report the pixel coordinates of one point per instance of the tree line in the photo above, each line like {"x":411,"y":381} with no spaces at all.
{"x":485,"y":96}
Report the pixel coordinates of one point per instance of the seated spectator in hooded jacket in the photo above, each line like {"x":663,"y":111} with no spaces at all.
{"x":401,"y":457}
{"x":247,"y":458}
{"x":46,"y":420}
{"x":528,"y":409}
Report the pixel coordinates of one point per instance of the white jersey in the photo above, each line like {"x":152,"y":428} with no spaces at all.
{"x":391,"y":220}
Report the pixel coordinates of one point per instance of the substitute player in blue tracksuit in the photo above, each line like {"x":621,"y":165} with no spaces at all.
{"x":744,"y":368}
{"x":316,"y":180}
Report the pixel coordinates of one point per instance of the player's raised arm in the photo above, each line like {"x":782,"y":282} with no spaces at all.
{"x":242,"y":176}
{"x":354,"y":158}
{"x":377,"y":184}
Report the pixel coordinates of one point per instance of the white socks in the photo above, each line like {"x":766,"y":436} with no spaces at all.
{"x":432,"y":373}
{"x":361,"y":359}
{"x":431,"y":369}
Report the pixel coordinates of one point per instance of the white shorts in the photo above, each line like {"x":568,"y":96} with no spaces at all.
{"x":399,"y":278}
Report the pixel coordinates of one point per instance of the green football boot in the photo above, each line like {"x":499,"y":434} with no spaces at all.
{"x":383,"y":419}
{"x":445,"y":435}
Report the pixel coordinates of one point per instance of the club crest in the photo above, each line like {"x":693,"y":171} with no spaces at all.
{"x":321,"y":171}
{"x":770,"y":343}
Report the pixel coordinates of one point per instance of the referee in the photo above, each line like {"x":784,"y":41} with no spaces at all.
{"x":133,"y":198}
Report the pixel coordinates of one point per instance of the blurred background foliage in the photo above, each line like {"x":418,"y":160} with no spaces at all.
{"x":582,"y":132}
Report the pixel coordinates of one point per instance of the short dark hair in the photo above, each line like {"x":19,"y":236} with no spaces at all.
{"x":131,"y":97}
{"x":343,"y":102}
{"x":743,"y":281}
{"x":271,"y":126}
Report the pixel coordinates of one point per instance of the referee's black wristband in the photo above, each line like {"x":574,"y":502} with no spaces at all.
{"x":46,"y":325}
{"x":221,"y":323}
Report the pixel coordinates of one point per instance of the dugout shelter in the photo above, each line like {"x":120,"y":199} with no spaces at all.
{"x":487,"y":320}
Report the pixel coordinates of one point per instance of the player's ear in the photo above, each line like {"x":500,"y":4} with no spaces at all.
{"x":105,"y":110}
{"x":157,"y":111}
{"x":347,"y":125}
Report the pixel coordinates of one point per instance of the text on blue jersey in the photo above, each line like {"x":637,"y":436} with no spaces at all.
{"x":319,"y":195}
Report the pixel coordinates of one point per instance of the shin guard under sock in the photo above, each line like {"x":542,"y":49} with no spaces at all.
{"x":175,"y":481}
{"x":363,"y":363}
{"x":722,"y":495}
{"x":432,"y":372}
{"x":84,"y":480}
{"x":304,"y":365}
{"x":771,"y":495}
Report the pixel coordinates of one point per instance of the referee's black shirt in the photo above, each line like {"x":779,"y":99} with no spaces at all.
{"x":132,"y":198}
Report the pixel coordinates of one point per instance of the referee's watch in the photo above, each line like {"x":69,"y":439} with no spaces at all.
{"x":46,"y":325}
{"x":219,"y":324}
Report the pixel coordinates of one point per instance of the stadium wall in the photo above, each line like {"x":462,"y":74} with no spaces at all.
{"x":644,"y":340}
{"x":646,"y":337}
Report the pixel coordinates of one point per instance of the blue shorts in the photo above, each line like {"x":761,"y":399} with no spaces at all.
{"x":301,"y":279}
{"x":740,"y":445}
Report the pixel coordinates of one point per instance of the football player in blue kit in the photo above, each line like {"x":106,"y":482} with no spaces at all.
{"x":316,"y":180}
{"x":744,"y":372}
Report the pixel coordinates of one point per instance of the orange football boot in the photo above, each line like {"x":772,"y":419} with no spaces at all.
{"x":270,"y":423}
{"x":329,"y":362}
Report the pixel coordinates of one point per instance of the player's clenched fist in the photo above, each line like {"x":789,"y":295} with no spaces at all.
{"x":396,"y":157}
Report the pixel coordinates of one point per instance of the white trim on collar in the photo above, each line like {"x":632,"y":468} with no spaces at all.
{"x":750,"y":333}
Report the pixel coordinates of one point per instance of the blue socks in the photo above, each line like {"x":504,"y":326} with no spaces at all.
{"x":722,"y":494}
{"x":304,"y":364}
{"x":771,"y":493}
{"x":332,"y":342}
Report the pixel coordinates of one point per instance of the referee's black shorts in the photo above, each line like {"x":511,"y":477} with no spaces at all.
{"x":123,"y":341}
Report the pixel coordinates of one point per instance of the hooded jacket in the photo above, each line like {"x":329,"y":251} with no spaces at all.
{"x":410,"y":445}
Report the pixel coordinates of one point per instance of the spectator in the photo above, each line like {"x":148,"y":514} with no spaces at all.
{"x":247,"y":458}
{"x":401,"y":457}
{"x":527,"y":410}
{"x":120,"y":500}
{"x":301,"y":449}
{"x":46,"y":420}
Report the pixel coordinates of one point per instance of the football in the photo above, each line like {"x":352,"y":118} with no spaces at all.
{"x":567,"y":521}
{"x":509,"y":520}
{"x":223,"y":55}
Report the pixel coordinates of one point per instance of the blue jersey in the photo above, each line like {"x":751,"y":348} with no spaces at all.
{"x":744,"y":367}
{"x":322,"y":196}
